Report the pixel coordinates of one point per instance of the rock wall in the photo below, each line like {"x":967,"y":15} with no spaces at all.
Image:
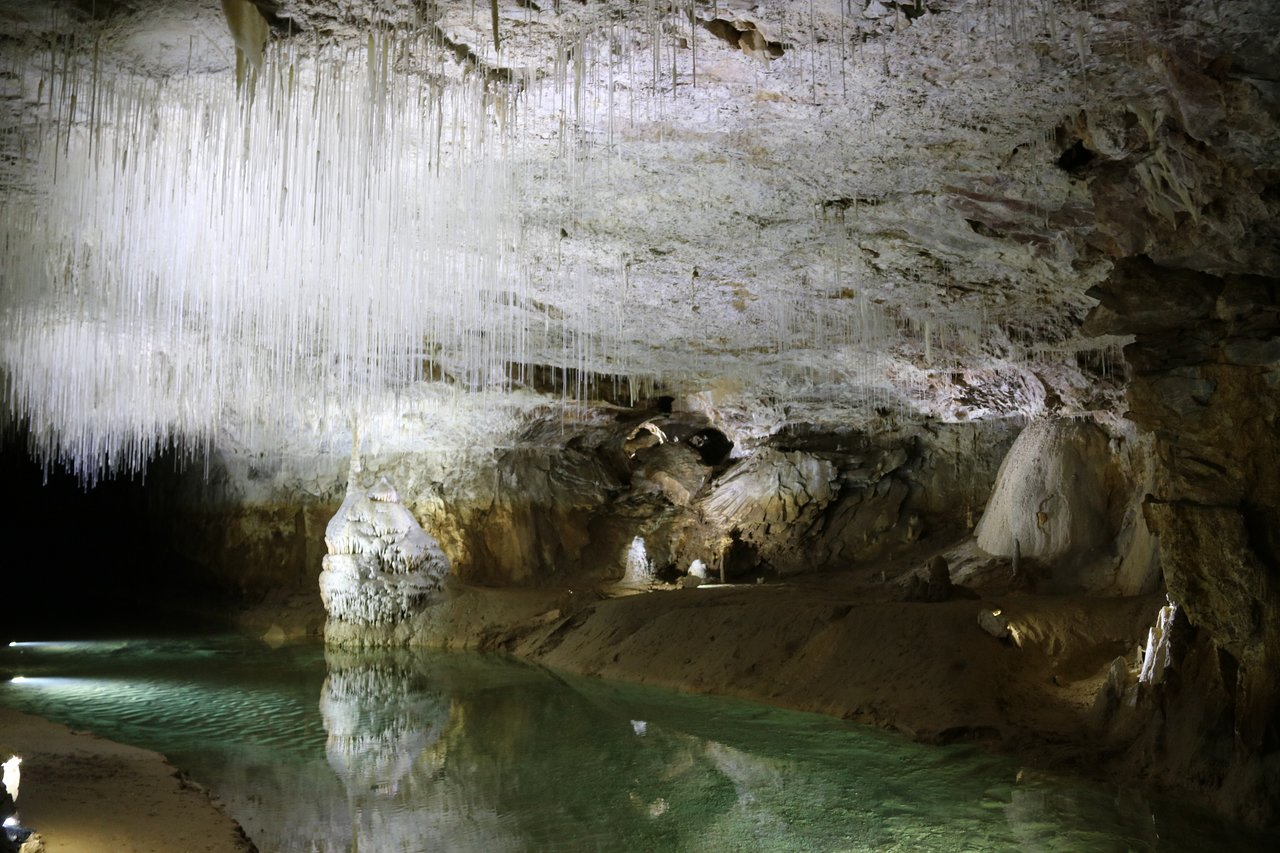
{"x":253,"y":549}
{"x":822,"y":500}
{"x":1195,"y":283}
{"x":565,"y":505}
{"x":1206,"y":363}
{"x":1183,"y":181}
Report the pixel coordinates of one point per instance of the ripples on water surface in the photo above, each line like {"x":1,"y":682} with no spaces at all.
{"x":435,"y":751}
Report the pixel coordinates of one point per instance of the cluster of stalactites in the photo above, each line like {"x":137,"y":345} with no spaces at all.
{"x":199,"y":259}
{"x":194,"y":259}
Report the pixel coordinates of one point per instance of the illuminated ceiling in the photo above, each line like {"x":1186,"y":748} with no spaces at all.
{"x":773,"y":212}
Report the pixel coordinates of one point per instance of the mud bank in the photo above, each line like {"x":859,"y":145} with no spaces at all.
{"x":860,"y":653}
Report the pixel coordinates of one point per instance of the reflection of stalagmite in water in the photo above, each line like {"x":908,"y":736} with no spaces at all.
{"x":378,"y":721}
{"x":390,"y":722}
{"x":1045,"y":816}
{"x":757,"y":783}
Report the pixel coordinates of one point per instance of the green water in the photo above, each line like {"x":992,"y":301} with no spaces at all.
{"x":435,"y":751}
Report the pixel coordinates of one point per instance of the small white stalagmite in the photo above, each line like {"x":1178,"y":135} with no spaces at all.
{"x":12,"y":775}
{"x":639,"y":567}
{"x":1158,"y":655}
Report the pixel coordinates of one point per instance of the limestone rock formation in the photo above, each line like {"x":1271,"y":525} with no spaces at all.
{"x":770,"y":493}
{"x":382,"y":567}
{"x":1204,"y":386}
{"x":1050,"y":496}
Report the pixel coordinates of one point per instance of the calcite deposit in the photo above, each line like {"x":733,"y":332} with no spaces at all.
{"x":382,"y":567}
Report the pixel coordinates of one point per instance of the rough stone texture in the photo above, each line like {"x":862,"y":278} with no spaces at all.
{"x":934,"y":585}
{"x":533,"y":520}
{"x":903,"y":209}
{"x":253,"y":549}
{"x":1194,"y":282}
{"x":763,"y":501}
{"x":676,"y":470}
{"x":882,"y":215}
{"x":1214,"y":508}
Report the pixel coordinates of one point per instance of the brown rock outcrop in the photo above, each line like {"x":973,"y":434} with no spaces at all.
{"x":1205,"y":388}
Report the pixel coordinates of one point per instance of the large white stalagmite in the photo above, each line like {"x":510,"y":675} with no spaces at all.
{"x":1057,"y":500}
{"x":382,"y":567}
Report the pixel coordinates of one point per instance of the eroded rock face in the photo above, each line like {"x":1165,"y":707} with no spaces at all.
{"x":1205,"y":386}
{"x":817,"y":500}
{"x":757,"y":505}
{"x":567,"y":507}
{"x":382,"y":567}
{"x":526,"y":517}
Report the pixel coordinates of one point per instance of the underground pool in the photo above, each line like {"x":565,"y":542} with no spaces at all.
{"x":414,"y":750}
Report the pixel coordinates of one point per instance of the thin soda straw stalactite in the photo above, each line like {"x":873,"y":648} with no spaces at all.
{"x":211,"y":261}
{"x":203,"y":260}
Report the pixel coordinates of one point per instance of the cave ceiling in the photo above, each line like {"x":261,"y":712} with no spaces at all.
{"x":773,"y":212}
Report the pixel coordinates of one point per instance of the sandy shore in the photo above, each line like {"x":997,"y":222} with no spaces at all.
{"x":83,"y":794}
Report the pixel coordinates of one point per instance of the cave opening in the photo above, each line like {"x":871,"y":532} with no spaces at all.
{"x":91,"y":561}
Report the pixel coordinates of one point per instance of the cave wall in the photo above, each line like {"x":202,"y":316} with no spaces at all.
{"x":1206,"y":369}
{"x":564,"y":506}
{"x":252,"y":549}
{"x":819,"y":500}
{"x":1184,"y":185}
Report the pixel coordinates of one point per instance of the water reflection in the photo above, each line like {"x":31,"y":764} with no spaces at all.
{"x":434,"y":755}
{"x":414,"y":751}
{"x":392,"y":726}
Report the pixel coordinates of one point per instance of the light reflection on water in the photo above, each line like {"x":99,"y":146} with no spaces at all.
{"x":427,"y":751}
